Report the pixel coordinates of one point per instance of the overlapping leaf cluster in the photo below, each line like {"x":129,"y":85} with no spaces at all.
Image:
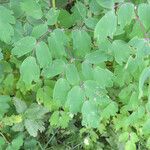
{"x":75,"y":74}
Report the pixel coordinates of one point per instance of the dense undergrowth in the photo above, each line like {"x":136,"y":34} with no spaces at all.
{"x":74,"y":74}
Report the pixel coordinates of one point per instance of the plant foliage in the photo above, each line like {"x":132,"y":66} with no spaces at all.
{"x":75,"y":74}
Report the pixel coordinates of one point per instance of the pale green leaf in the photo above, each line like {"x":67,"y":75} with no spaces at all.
{"x":32,"y":8}
{"x":39,"y":30}
{"x":91,"y":22}
{"x":143,"y":77}
{"x":106,"y":26}
{"x":92,"y":89}
{"x":87,"y":70}
{"x":79,"y":11}
{"x":33,"y":127}
{"x":29,"y":70}
{"x":61,"y":90}
{"x":75,"y":99}
{"x":43,"y":54}
{"x":143,"y":13}
{"x":90,"y":114}
{"x":6,"y":21}
{"x":96,"y":57}
{"x":121,"y":51}
{"x":81,"y":42}
{"x":110,"y":110}
{"x":125,"y":14}
{"x":24,"y":46}
{"x":57,"y":67}
{"x":106,"y":3}
{"x":20,"y":105}
{"x":103,"y":76}
{"x":72,"y":74}
{"x":57,"y":42}
{"x":52,"y":16}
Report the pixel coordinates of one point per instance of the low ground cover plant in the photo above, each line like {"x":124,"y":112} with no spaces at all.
{"x":74,"y":74}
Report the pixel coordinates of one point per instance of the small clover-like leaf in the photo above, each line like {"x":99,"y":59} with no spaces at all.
{"x":29,"y":70}
{"x":106,"y":26}
{"x":6,"y":21}
{"x":75,"y":99}
{"x":43,"y":55}
{"x":24,"y":46}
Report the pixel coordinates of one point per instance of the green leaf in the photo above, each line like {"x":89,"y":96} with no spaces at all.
{"x":44,"y":95}
{"x":96,"y":57}
{"x":123,"y":137}
{"x":92,"y":89}
{"x":146,"y":129}
{"x":37,"y":109}
{"x":87,"y":70}
{"x":6,"y":21}
{"x":79,"y":11}
{"x":33,"y":126}
{"x":81,"y":42}
{"x":32,"y":8}
{"x":65,"y":19}
{"x":59,"y":119}
{"x":106,"y":3}
{"x":20,"y":105}
{"x":57,"y":42}
{"x":130,"y":145}
{"x":143,"y":11}
{"x":103,"y":76}
{"x":125,"y":14}
{"x":61,"y":90}
{"x":143,"y":77}
{"x":121,"y":51}
{"x":43,"y":54}
{"x":4,"y":104}
{"x":39,"y":30}
{"x":15,"y":144}
{"x":52,"y":16}
{"x":91,"y":22}
{"x":56,"y":68}
{"x":90,"y":115}
{"x":2,"y":143}
{"x":54,"y":119}
{"x":110,"y":110}
{"x":75,"y":99}
{"x":29,"y":70}
{"x":72,"y":74}
{"x":106,"y":26}
{"x":24,"y":46}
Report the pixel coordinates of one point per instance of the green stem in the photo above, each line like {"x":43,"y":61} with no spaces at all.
{"x":4,"y":137}
{"x":54,"y":3}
